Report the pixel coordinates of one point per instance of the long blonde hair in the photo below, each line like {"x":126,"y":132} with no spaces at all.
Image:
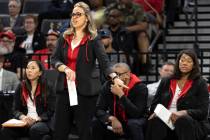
{"x":90,"y":28}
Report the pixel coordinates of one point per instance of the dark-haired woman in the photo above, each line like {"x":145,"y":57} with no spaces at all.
{"x":33,"y":104}
{"x":185,"y":94}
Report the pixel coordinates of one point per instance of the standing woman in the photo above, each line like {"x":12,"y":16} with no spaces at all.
{"x":186,"y":95}
{"x":33,"y":104}
{"x":74,"y":57}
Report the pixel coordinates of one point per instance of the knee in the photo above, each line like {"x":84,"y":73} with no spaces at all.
{"x":96,"y":125}
{"x":39,"y":129}
{"x":184,"y":122}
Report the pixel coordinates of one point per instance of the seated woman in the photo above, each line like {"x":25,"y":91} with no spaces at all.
{"x":33,"y":104}
{"x":185,"y":94}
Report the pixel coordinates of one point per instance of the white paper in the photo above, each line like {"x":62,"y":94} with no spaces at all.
{"x":164,"y":114}
{"x":72,"y":93}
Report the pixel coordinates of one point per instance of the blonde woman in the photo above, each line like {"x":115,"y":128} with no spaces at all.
{"x":74,"y":57}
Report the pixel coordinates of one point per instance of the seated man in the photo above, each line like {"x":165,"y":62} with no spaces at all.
{"x":44,"y":54}
{"x":119,"y":111}
{"x":8,"y":85}
{"x":166,"y":70}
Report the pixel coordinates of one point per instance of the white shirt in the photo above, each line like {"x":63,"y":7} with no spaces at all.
{"x":1,"y":76}
{"x":32,"y":109}
{"x":172,"y":107}
{"x":27,"y":44}
{"x":152,"y":88}
{"x":73,"y":45}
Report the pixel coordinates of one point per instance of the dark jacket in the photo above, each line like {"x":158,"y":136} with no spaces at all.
{"x":44,"y":104}
{"x":85,"y":64}
{"x":18,"y":26}
{"x":134,"y":104}
{"x":195,"y":101}
{"x":38,"y":42}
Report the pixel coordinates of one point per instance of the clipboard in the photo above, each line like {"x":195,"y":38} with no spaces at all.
{"x":14,"y":123}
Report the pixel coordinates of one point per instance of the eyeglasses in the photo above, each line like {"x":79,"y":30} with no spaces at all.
{"x":120,"y":74}
{"x":77,"y":14}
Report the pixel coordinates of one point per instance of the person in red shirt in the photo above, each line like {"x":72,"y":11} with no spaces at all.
{"x":44,"y":54}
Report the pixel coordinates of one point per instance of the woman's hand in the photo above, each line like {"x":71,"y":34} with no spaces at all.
{"x":175,"y":115}
{"x":70,"y":74}
{"x":153,"y":115}
{"x":28,"y":120}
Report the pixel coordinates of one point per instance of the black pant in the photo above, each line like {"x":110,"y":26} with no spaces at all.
{"x":186,"y":128}
{"x":36,"y":132}
{"x":82,"y":113}
{"x":133,"y":130}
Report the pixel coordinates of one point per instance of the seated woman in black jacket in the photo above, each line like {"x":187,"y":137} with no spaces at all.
{"x":185,"y":94}
{"x":33,"y":104}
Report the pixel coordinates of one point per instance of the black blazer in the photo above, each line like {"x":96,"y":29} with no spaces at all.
{"x":85,"y":65}
{"x":195,"y":101}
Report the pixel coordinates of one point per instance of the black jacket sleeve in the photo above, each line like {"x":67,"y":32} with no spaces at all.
{"x":135,"y":104}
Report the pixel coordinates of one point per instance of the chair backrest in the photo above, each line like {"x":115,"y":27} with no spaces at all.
{"x":4,"y":7}
{"x":35,"y":6}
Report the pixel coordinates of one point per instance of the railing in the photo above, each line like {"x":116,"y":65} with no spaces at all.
{"x":157,"y":59}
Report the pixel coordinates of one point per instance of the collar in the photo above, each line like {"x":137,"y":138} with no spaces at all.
{"x":185,"y":89}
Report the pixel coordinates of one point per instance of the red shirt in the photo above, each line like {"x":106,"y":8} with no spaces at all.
{"x":156,"y":4}
{"x":72,"y":54}
{"x":42,"y":58}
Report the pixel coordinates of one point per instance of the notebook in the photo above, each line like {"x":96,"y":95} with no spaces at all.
{"x":164,"y":114}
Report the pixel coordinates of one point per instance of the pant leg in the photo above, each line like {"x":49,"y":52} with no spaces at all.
{"x":62,"y":116}
{"x":38,"y":130}
{"x":187,"y":128}
{"x":84,"y":114}
{"x":156,"y":130}
{"x":98,"y":130}
{"x":135,"y":128}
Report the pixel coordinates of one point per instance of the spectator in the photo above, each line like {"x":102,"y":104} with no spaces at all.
{"x":8,"y":85}
{"x":33,"y":104}
{"x":135,"y":21}
{"x":44,"y":57}
{"x":121,"y":109}
{"x":15,"y":22}
{"x":107,"y":40}
{"x":74,"y":57}
{"x":9,"y":80}
{"x":7,"y":42}
{"x":166,"y":70}
{"x":13,"y":60}
{"x":98,"y":12}
{"x":186,"y":95}
{"x":31,"y":40}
